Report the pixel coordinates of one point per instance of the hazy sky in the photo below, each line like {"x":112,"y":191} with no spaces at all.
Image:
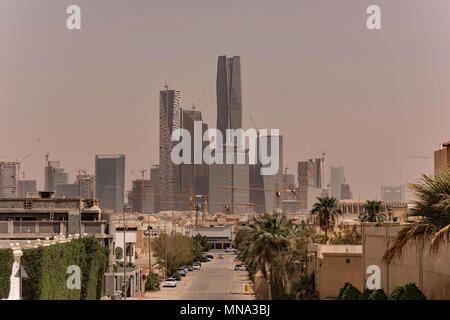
{"x":371,"y":99}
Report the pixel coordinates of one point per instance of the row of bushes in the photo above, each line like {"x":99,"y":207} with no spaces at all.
{"x":6,"y":264}
{"x":408,"y":292}
{"x":46,"y":267}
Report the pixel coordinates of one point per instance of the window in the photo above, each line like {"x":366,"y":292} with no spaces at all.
{"x":347,"y":260}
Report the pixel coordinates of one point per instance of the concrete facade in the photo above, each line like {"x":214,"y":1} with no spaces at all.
{"x":442,"y":157}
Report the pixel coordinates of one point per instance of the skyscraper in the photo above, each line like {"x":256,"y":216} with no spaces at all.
{"x":229,"y":95}
{"x":141,"y":197}
{"x":310,"y":173}
{"x":337,"y":179}
{"x":110,"y":181}
{"x":8,"y":179}
{"x":170,"y":119}
{"x":26,"y":187}
{"x":346,"y":194}
{"x":54,"y":175}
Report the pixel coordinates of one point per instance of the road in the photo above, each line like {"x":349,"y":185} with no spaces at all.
{"x":216,"y":280}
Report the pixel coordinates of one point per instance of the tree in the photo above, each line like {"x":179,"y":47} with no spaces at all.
{"x":326,"y":208}
{"x":173,"y":251}
{"x":433,"y":206}
{"x":374,"y":212}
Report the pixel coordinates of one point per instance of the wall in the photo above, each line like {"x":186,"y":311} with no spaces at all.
{"x":431,"y":273}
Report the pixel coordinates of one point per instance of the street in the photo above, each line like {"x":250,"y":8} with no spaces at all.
{"x":216,"y":280}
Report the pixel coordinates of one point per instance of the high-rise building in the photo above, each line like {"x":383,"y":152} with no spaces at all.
{"x":141,"y":197}
{"x":442,"y":157}
{"x":170,"y":119}
{"x":346,"y":194}
{"x":84,"y":183}
{"x":337,"y":179}
{"x":199,"y":184}
{"x":8,"y":179}
{"x":393,"y":193}
{"x":154,"y":177}
{"x":54,"y":175}
{"x":110,"y":181}
{"x":26,"y":187}
{"x":310,"y":173}
{"x":229,"y":94}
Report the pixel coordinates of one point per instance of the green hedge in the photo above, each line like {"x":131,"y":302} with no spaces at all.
{"x":365,"y":294}
{"x":412,"y":292}
{"x":350,"y":293}
{"x":6,"y":264}
{"x":397,"y":293}
{"x":46,"y":268}
{"x":378,"y":295}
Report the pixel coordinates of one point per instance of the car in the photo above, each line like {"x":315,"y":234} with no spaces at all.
{"x":205,"y":259}
{"x":170,"y":282}
{"x":209,"y":256}
{"x":198,"y":262}
{"x":185,"y":268}
{"x":190,"y":268}
{"x":196,"y":266}
{"x":176,"y":276}
{"x":182,"y":272}
{"x":220,"y":256}
{"x":238,"y":267}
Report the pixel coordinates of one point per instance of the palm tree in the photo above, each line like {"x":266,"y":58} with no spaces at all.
{"x":374,"y":212}
{"x":327,"y":210}
{"x":433,"y":206}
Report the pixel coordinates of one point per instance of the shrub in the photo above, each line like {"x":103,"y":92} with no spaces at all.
{"x":397,"y":293}
{"x":287,"y":296}
{"x":413,"y":293}
{"x":378,"y":295}
{"x":47,"y":270}
{"x":153,"y":282}
{"x":6,"y":264}
{"x":350,"y":293}
{"x":342,"y":290}
{"x":365,"y":294}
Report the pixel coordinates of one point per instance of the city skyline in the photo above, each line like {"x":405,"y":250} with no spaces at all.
{"x":371,"y":115}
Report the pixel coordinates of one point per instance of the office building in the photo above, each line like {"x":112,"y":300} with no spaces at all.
{"x":85,"y":183}
{"x":442,"y":157}
{"x":346,"y":194}
{"x":393,"y":193}
{"x":141,"y":197}
{"x":336,"y":180}
{"x":154,"y":177}
{"x":26,"y":188}
{"x":54,"y":175}
{"x":110,"y":181}
{"x":8,"y":179}
{"x":310,"y":173}
{"x":229,"y":94}
{"x":170,"y":119}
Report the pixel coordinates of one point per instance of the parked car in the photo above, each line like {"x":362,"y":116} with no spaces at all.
{"x":170,"y":282}
{"x":190,"y":268}
{"x":238,"y":267}
{"x":196,"y":266}
{"x":176,"y":276}
{"x":220,"y":256}
{"x":185,"y":268}
{"x":209,"y":256}
{"x":199,"y":263}
{"x":182,"y":272}
{"x":205,"y":259}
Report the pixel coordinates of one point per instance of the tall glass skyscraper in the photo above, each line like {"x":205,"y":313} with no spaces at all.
{"x":229,"y":94}
{"x":110,"y":181}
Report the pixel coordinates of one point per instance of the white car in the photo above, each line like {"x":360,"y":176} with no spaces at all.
{"x":196,"y":266}
{"x":220,"y":256}
{"x":170,"y":282}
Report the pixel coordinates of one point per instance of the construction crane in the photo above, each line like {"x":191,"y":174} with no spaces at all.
{"x":19,"y":163}
{"x":324,"y":153}
{"x":46,"y":153}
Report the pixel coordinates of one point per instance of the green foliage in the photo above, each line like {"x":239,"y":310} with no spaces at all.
{"x":6,"y":264}
{"x":200,"y":245}
{"x":374,"y":212}
{"x":119,"y":253}
{"x":342,"y":290}
{"x":287,"y":296}
{"x":350,"y":293}
{"x":397,"y":293}
{"x":173,"y":251}
{"x":327,"y":209}
{"x":378,"y":295}
{"x":413,"y":293}
{"x":46,"y":267}
{"x":365,"y":294}
{"x":305,"y":287}
{"x":153,"y":282}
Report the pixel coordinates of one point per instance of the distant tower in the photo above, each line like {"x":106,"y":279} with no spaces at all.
{"x":110,"y":181}
{"x":229,"y":94}
{"x":54,"y":175}
{"x":337,"y":179}
{"x":170,"y":119}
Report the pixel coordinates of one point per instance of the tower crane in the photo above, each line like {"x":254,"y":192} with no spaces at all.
{"x":46,"y":153}
{"x":19,"y":163}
